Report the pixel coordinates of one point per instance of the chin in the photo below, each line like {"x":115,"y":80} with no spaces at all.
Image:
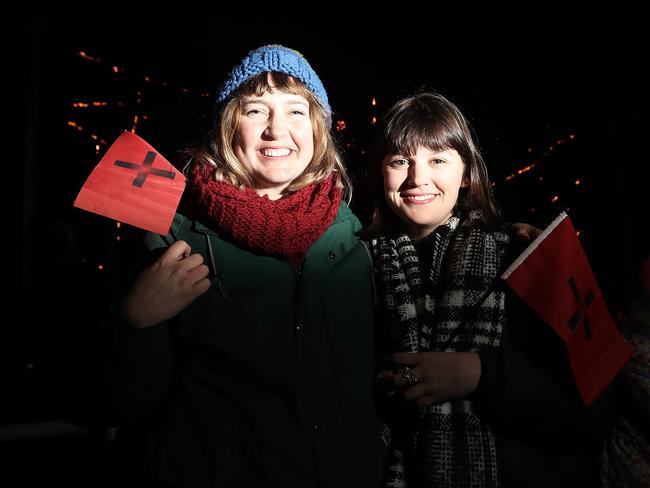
{"x":417,"y":220}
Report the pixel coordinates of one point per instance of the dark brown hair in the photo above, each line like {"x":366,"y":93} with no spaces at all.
{"x":429,"y":120}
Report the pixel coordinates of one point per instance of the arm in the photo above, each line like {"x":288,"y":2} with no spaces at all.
{"x":136,"y":367}
{"x":524,"y":388}
{"x":508,"y":390}
{"x":437,"y":376}
{"x":527,"y":388}
{"x":137,"y":361}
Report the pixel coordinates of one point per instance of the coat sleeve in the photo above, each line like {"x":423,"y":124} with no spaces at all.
{"x":527,"y":388}
{"x":135,"y":365}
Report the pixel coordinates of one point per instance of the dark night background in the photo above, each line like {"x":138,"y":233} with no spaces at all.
{"x":562,"y":89}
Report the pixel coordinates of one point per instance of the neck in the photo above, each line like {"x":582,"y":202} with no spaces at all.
{"x":417,"y":232}
{"x":272,"y":195}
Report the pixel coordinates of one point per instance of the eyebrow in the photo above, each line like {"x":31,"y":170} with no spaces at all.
{"x":288,"y":102}
{"x":444,"y":152}
{"x":406,"y":155}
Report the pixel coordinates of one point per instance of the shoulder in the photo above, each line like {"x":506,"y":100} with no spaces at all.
{"x":479,"y":250}
{"x":473,"y":237}
{"x":345,"y":215}
{"x":342,"y":236}
{"x":345,"y":222}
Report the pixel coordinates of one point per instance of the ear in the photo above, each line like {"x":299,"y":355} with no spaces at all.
{"x":464,"y":183}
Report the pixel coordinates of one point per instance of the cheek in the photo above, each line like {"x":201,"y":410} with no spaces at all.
{"x":387,"y":189}
{"x":246,"y":136}
{"x":391,"y":192}
{"x":452,"y":184}
{"x":309,"y":144}
{"x":391,"y":181}
{"x":241,"y":141}
{"x":306,"y":138}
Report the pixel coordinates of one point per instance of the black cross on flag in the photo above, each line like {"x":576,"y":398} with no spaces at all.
{"x":583,"y":307}
{"x":540,"y":276}
{"x":145,"y":169}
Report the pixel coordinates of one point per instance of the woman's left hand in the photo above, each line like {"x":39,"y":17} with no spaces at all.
{"x":525,"y":232}
{"x":440,"y":376}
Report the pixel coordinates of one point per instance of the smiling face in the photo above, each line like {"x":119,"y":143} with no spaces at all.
{"x":424,"y":153}
{"x":422,"y":189}
{"x":274,"y":140}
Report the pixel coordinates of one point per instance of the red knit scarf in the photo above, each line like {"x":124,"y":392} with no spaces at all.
{"x":284,"y":227}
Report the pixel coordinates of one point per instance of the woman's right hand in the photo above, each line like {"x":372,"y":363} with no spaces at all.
{"x":166,"y":287}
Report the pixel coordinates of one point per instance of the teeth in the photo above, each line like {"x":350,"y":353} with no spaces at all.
{"x":276,"y":152}
{"x":418,"y":197}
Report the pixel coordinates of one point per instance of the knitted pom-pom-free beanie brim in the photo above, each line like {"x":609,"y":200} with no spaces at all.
{"x":274,"y":58}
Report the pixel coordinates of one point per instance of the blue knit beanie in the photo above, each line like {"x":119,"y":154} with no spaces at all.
{"x":274,"y":58}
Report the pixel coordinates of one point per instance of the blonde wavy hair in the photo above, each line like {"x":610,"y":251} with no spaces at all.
{"x":218,"y":151}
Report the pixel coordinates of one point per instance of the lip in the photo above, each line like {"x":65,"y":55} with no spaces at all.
{"x":407,"y":198}
{"x":261,"y":152}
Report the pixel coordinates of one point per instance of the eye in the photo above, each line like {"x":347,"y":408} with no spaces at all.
{"x":437,"y":161}
{"x":298,"y":112}
{"x":398,"y":163}
{"x":255,"y":112}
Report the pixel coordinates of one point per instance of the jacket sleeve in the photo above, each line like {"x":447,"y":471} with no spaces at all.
{"x":136,"y":365}
{"x":527,"y":388}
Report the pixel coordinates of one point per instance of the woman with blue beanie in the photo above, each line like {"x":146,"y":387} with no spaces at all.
{"x":244,"y":353}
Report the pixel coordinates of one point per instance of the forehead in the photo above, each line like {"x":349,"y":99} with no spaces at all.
{"x":274,"y":96}
{"x":429,"y":152}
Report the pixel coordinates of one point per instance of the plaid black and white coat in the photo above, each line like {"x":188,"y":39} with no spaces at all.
{"x":443,"y":298}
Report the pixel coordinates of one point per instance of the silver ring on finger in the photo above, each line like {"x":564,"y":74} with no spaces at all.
{"x":409,"y":376}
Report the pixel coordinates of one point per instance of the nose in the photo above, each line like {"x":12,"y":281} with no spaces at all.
{"x":277,"y":127}
{"x":418,"y":174}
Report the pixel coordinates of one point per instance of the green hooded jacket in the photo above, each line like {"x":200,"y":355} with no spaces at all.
{"x":266,"y":379}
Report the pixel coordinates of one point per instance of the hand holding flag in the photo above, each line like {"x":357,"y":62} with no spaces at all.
{"x":554,"y":277}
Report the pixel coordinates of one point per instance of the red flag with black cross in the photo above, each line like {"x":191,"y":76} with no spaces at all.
{"x":554,"y":277}
{"x":135,"y":184}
